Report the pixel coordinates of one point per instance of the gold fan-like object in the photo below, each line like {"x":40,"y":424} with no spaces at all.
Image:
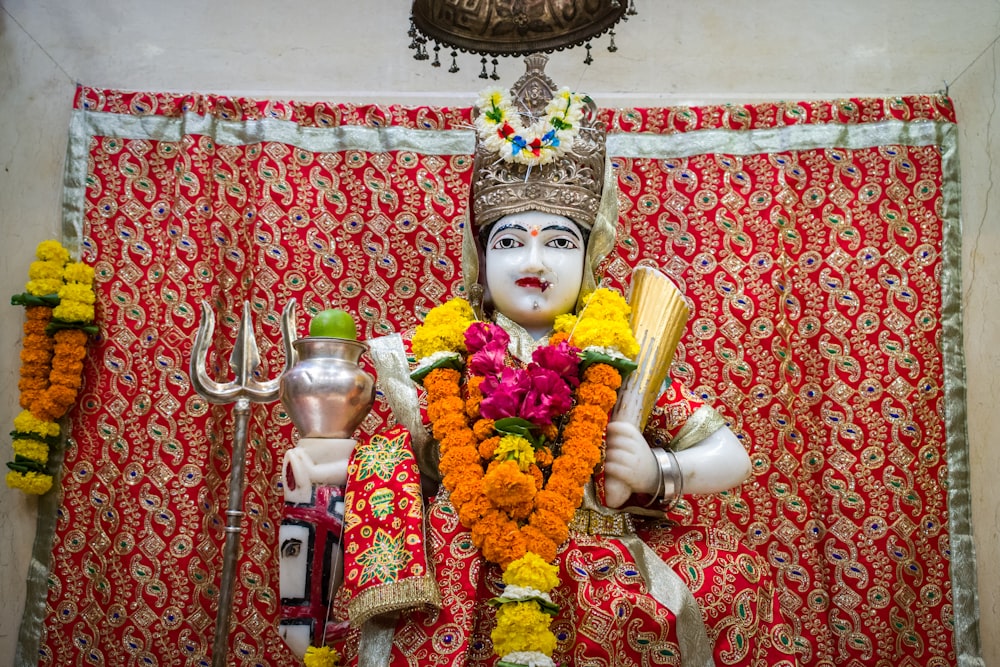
{"x":659,"y":315}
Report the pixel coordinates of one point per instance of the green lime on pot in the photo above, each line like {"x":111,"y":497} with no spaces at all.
{"x":334,"y":323}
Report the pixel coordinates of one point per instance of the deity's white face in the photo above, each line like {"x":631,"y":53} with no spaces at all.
{"x":534,"y":268}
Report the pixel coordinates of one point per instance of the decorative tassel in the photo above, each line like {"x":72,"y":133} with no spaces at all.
{"x":495,"y":76}
{"x":588,"y":60}
{"x":483,"y":74}
{"x":611,"y":47}
{"x":437,"y":60}
{"x":454,"y":62}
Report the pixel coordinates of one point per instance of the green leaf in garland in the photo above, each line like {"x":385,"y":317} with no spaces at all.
{"x":453,"y":361}
{"x":550,"y":608}
{"x":521,"y":427}
{"x":25,"y":299}
{"x":624,"y":365}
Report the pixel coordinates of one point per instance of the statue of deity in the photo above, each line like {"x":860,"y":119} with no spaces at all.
{"x":510,"y":518}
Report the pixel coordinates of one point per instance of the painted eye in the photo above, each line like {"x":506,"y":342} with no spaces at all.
{"x":291,"y":548}
{"x":562,"y":243}
{"x":506,"y":243}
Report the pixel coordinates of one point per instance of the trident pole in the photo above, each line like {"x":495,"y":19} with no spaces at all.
{"x":243,"y":390}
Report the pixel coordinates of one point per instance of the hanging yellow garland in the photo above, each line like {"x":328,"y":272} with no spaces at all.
{"x":59,"y":307}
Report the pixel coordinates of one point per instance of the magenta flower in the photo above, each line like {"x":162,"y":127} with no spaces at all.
{"x":547,"y":396}
{"x":488,"y":345}
{"x":480,"y":334}
{"x":563,"y":359}
{"x":503,"y":393}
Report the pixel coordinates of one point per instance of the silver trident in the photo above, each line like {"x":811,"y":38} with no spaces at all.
{"x":243,"y":390}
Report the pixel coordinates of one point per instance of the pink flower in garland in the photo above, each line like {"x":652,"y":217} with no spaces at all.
{"x":563,"y":359}
{"x":504,"y":393}
{"x":488,"y":347}
{"x":547,"y":397}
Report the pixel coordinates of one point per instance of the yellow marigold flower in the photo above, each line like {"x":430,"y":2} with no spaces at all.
{"x":532,"y":571}
{"x":71,"y":311}
{"x":443,"y":329}
{"x":52,"y":251}
{"x":31,"y":449}
{"x":606,"y":304}
{"x":43,"y":286}
{"x":25,"y":422}
{"x":517,"y":449}
{"x":564,"y":323}
{"x":77,"y":292}
{"x":79,"y":272}
{"x":321,"y":656}
{"x":522,"y":626}
{"x":29,"y":482}
{"x":45,"y":271}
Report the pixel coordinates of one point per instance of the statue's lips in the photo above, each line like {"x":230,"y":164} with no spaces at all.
{"x":533,"y":283}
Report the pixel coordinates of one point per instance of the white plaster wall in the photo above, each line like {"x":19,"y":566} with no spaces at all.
{"x":672,"y":53}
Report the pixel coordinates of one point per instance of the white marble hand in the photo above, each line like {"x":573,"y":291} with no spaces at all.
{"x":717,"y":463}
{"x":629,"y":464}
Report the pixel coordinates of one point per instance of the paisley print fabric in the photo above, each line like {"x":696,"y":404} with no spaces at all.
{"x":816,"y":242}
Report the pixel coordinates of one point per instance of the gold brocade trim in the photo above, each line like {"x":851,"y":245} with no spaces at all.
{"x":593,"y":522}
{"x":667,"y":588}
{"x":393,"y":597}
{"x":702,"y":423}
{"x":521,"y":345}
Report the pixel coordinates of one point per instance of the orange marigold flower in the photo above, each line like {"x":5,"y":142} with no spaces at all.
{"x":471,"y":512}
{"x":541,"y":543}
{"x":576,"y":471}
{"x":458,"y":458}
{"x":507,"y":486}
{"x":558,"y":337}
{"x":441,"y":382}
{"x":603,"y":374}
{"x":598,"y":394}
{"x":72,"y":380}
{"x":536,"y":472}
{"x":543,"y":457}
{"x":444,"y":405}
{"x":43,"y":313}
{"x":75,"y":337}
{"x":567,"y":488}
{"x":551,"y":525}
{"x":555,"y":503}
{"x":32,"y":382}
{"x":483,"y":428}
{"x":488,"y":447}
{"x":34,"y":361}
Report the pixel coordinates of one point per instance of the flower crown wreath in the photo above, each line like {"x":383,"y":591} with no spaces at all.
{"x":550,"y":137}
{"x":518,"y":445}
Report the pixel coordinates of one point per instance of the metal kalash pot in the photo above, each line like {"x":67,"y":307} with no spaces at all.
{"x":327,"y":395}
{"x":326,"y":392}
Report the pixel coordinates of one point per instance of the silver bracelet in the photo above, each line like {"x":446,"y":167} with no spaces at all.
{"x":671,"y":481}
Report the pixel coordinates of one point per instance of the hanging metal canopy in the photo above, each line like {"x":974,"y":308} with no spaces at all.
{"x":497,"y":28}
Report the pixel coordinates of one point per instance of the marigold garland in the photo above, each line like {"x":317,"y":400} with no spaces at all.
{"x":59,"y":307}
{"x":492,"y":464}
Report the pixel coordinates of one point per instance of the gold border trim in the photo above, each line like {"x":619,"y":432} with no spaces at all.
{"x":393,"y":597}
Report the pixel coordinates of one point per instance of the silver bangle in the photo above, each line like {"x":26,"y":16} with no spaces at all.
{"x":671,"y":481}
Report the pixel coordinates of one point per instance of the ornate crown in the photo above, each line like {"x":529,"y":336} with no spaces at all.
{"x":539,"y":149}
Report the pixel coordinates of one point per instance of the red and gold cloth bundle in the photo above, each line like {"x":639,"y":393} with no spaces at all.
{"x":816,"y":242}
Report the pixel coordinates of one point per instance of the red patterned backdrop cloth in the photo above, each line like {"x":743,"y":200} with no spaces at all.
{"x":814,"y":241}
